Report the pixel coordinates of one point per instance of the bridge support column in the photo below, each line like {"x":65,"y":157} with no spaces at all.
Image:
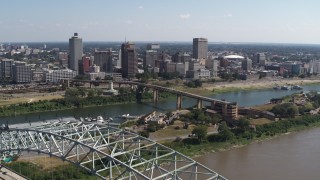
{"x":155,"y":96}
{"x":224,"y":109}
{"x":68,"y":83}
{"x":213,"y":105}
{"x":179,"y":101}
{"x":199,"y":104}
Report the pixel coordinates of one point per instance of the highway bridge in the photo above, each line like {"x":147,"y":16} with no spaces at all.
{"x":227,"y":109}
{"x":107,"y":152}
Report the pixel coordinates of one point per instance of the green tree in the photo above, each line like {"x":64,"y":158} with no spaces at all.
{"x":201,"y":132}
{"x":72,"y":92}
{"x":243,"y":124}
{"x":225,"y":132}
{"x":82,"y":91}
{"x":285,"y":110}
{"x":198,"y":83}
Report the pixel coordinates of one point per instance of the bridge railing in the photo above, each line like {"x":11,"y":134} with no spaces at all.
{"x":105,"y":151}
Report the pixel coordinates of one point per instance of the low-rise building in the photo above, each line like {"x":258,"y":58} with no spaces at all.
{"x":55,"y":76}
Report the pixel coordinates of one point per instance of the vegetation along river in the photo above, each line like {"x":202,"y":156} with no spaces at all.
{"x":293,"y":156}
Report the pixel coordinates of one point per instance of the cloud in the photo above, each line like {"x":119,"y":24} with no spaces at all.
{"x":129,"y":22}
{"x":228,"y":15}
{"x":58,"y":24}
{"x":185,"y":16}
{"x":140,"y":7}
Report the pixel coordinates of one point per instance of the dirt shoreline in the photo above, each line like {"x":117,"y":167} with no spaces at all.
{"x":258,"y":83}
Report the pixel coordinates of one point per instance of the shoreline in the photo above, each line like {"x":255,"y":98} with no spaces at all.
{"x":267,"y":83}
{"x":218,"y":147}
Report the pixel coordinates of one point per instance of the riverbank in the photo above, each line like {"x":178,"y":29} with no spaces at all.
{"x":193,"y":148}
{"x":264,"y":83}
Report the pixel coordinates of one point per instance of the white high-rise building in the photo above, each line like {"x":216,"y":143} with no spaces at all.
{"x":75,"y":52}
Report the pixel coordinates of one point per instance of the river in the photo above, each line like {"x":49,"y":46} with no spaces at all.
{"x":244,"y":98}
{"x":293,"y":156}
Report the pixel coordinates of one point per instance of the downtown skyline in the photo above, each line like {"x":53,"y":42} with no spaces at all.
{"x":247,"y":21}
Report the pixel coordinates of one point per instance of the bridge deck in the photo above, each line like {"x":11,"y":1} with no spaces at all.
{"x":105,"y":151}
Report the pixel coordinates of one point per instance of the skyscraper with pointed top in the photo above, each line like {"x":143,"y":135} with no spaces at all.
{"x":75,"y":52}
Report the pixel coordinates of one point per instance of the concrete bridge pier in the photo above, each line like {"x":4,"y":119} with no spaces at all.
{"x":155,"y":96}
{"x":199,"y":104}
{"x":179,"y":101}
{"x":224,"y":107}
{"x":213,"y":105}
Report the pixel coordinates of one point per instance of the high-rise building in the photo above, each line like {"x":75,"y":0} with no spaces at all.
{"x":6,"y":69}
{"x":75,"y":52}
{"x":21,"y":72}
{"x":259,"y":58}
{"x":150,"y":58}
{"x":246,"y":64}
{"x":200,"y":48}
{"x":84,"y":65}
{"x":129,"y":61}
{"x":104,"y":60}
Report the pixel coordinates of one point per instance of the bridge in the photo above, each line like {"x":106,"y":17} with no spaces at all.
{"x":227,"y":109}
{"x":104,"y":151}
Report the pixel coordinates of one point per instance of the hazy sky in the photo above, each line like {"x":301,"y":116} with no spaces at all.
{"x":275,"y":21}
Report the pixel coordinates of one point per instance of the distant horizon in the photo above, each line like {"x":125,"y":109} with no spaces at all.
{"x":178,"y":42}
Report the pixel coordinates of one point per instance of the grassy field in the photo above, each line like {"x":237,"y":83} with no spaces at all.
{"x":45,"y":162}
{"x":17,"y":100}
{"x":171,"y":133}
{"x":264,"y":107}
{"x":260,"y":121}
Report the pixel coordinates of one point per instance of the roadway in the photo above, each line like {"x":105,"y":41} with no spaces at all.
{"x":7,"y":174}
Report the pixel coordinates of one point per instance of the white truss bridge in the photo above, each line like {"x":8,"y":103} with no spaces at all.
{"x":105,"y":151}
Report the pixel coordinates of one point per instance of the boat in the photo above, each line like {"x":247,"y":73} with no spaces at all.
{"x":100,"y":119}
{"x":88,"y":119}
{"x":285,"y":87}
{"x":124,"y":115}
{"x":297,"y":87}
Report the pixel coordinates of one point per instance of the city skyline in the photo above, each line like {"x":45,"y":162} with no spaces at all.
{"x":180,"y":21}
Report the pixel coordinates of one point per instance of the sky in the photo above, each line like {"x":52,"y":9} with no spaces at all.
{"x":261,"y":21}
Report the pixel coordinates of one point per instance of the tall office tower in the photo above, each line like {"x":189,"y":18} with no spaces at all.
{"x":129,"y":61}
{"x":84,"y":65}
{"x":200,"y":48}
{"x":177,"y":57}
{"x":149,"y":59}
{"x":75,"y":52}
{"x":104,"y":60}
{"x":246,"y":64}
{"x":21,"y":72}
{"x":259,"y":58}
{"x":6,"y":69}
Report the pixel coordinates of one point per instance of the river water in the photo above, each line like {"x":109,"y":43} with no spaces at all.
{"x":293,"y":156}
{"x":244,"y":98}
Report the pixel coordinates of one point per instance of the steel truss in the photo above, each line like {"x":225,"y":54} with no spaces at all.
{"x":105,"y":151}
